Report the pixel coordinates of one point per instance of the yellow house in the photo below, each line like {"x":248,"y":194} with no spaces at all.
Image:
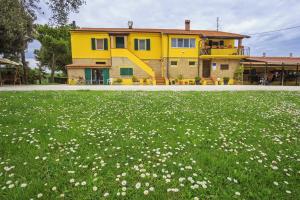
{"x":153,"y":56}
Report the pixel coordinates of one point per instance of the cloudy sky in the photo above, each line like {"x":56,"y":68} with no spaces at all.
{"x":238,"y":16}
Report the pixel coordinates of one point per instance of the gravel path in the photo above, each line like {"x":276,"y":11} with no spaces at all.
{"x":150,"y":88}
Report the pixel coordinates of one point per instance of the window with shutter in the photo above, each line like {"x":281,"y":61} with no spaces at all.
{"x":142,"y":44}
{"x":126,"y":71}
{"x":99,"y":44}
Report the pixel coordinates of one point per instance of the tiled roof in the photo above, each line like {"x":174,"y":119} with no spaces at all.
{"x":7,"y":61}
{"x":203,"y":33}
{"x":89,"y":65}
{"x":278,"y":60}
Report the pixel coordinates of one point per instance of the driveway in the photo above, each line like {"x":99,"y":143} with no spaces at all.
{"x":149,"y":88}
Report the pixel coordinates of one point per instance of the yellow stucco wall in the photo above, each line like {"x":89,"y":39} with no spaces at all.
{"x":155,"y":43}
{"x":82,"y":46}
{"x":160,"y":46}
{"x":180,"y":52}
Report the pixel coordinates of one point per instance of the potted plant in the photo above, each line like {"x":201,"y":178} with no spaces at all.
{"x":180,"y":78}
{"x":118,"y":81}
{"x":145,"y":81}
{"x":226,"y":80}
{"x":176,"y":81}
{"x":197,"y":80}
{"x":135,"y":81}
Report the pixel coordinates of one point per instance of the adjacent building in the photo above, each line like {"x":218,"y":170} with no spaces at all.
{"x":154,"y":56}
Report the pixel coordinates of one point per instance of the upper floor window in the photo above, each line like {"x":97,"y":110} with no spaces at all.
{"x":142,"y":44}
{"x":99,"y":44}
{"x":183,"y":42}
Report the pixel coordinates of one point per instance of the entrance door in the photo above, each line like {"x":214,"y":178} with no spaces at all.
{"x":97,"y":77}
{"x":105,"y":74}
{"x":206,"y":68}
{"x":120,"y":42}
{"x":88,"y":75}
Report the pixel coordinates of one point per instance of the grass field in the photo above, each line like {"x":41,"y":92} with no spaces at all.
{"x":149,"y":145}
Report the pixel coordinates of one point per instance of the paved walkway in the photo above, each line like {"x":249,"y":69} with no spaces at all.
{"x":149,"y":88}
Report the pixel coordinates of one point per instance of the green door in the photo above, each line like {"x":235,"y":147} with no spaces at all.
{"x":88,"y":75}
{"x":105,"y":74}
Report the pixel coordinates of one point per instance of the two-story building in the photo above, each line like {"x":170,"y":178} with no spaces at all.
{"x":153,"y":56}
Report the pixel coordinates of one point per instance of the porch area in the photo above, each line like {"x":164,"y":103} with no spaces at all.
{"x":271,"y":71}
{"x":91,"y":74}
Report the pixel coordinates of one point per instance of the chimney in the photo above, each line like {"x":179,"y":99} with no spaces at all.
{"x":291,"y":54}
{"x":187,"y":25}
{"x":130,"y":24}
{"x":264,"y":54}
{"x":73,"y":24}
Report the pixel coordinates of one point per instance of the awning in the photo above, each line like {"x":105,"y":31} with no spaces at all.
{"x":272,"y":61}
{"x":8,"y":62}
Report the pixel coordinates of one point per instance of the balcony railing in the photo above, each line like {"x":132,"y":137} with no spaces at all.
{"x":242,"y":51}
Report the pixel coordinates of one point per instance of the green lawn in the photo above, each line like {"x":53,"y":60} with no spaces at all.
{"x":154,"y":145}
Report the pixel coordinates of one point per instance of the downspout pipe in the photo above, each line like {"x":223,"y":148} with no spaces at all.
{"x":198,"y":72}
{"x":168,"y":57}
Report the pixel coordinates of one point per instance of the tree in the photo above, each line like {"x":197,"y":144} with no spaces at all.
{"x":16,"y":28}
{"x":16,"y":24}
{"x":55,"y":50}
{"x":60,"y":9}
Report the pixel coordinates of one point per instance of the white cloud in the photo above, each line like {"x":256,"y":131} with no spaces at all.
{"x":32,"y":63}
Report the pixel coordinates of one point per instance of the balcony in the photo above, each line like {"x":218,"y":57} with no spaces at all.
{"x":225,"y":51}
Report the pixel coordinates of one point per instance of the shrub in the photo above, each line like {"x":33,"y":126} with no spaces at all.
{"x":226,"y":80}
{"x":134,"y":79}
{"x":118,"y":81}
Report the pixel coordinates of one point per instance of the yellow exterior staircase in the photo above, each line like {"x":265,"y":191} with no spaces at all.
{"x":125,"y":53}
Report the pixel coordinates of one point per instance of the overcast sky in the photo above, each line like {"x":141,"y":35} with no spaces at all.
{"x":238,"y":16}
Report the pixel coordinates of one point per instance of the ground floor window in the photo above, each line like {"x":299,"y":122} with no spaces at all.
{"x":174,"y":63}
{"x":192,"y":63}
{"x":126,"y":71}
{"x":224,"y":66}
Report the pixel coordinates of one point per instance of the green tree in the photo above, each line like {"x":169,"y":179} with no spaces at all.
{"x":16,"y":29}
{"x":16,"y":24}
{"x":55,"y":50}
